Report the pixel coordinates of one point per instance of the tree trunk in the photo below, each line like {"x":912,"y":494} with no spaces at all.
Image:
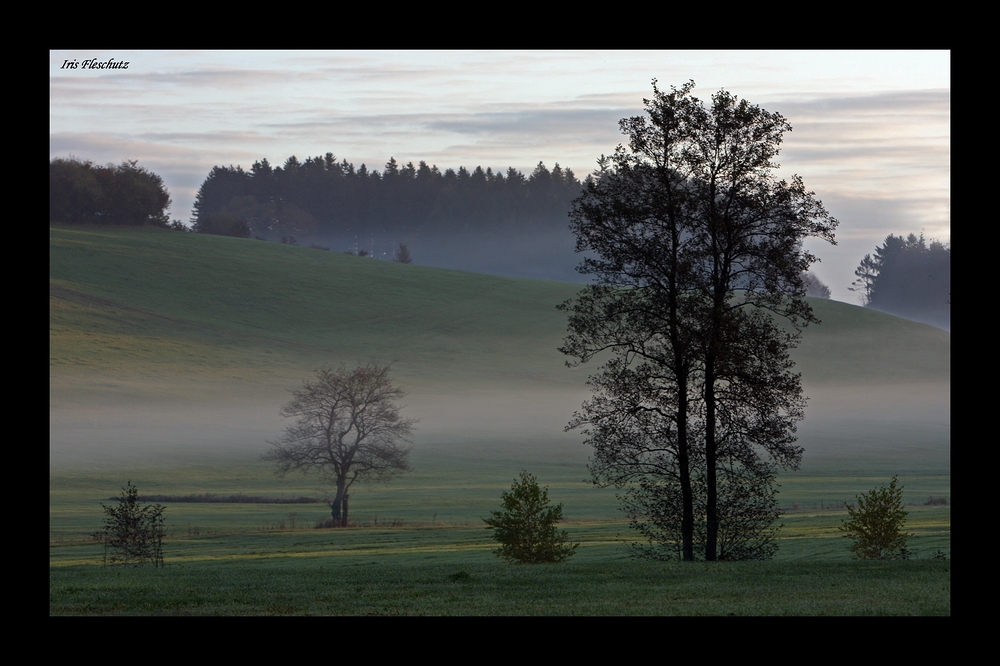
{"x":338,"y":507}
{"x":680,"y":367}
{"x":712,"y":499}
{"x":684,"y":463}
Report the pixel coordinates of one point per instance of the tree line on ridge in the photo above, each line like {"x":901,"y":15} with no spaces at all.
{"x":322,"y":197}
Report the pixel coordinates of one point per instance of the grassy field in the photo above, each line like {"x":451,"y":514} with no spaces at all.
{"x":384,"y":586}
{"x":170,"y":355}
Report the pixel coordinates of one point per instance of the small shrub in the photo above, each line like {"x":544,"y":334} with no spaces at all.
{"x":525,"y":528}
{"x":936,"y":501}
{"x":133,"y":532}
{"x":876,"y":525}
{"x":403,"y":254}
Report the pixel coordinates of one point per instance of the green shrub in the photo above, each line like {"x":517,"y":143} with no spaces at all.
{"x":133,"y":532}
{"x":525,"y":528}
{"x":876,"y":525}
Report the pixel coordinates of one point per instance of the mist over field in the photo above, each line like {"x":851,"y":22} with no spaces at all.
{"x":849,"y":427}
{"x":503,"y":422}
{"x":168,"y":346}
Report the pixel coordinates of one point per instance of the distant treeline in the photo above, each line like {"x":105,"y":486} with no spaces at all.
{"x":323,"y":197}
{"x":81,"y":192}
{"x":908,"y":277}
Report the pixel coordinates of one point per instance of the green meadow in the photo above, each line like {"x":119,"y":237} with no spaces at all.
{"x":171,"y":354}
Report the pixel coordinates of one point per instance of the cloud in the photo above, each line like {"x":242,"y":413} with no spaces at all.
{"x":892,"y":102}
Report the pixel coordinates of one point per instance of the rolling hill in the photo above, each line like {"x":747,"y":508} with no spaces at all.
{"x":162,"y":341}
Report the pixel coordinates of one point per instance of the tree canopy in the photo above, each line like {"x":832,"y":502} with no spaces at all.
{"x":815,"y":286}
{"x":81,"y":192}
{"x":908,"y":277}
{"x":323,"y":196}
{"x":696,"y":248}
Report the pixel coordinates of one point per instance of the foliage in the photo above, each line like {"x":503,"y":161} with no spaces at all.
{"x":748,"y":509}
{"x":322,"y":196}
{"x":133,"y":532}
{"x":403,"y":254}
{"x":876,"y":524}
{"x":81,"y":192}
{"x":907,"y":277}
{"x":223,"y":224}
{"x":696,"y":248}
{"x":348,"y":428}
{"x":525,"y":528}
{"x":815,"y":287}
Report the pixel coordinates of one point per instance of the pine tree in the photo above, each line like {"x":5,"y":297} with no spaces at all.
{"x":133,"y":532}
{"x":525,"y":528}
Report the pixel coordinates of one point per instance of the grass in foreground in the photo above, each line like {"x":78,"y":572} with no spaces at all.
{"x":624,"y":587}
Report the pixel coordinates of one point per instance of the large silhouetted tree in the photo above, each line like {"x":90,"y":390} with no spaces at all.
{"x":347,"y":428}
{"x":696,"y":249}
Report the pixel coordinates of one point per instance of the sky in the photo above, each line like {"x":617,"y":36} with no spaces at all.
{"x":871,"y":129}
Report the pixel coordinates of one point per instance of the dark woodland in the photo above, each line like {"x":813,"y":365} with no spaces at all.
{"x":908,"y":277}
{"x":322,"y":197}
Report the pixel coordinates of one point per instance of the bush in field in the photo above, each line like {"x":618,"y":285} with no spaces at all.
{"x":525,"y":528}
{"x":133,"y":532}
{"x":876,"y":525}
{"x":403,"y":254}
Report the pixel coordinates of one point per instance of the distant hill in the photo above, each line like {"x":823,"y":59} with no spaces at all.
{"x":145,"y":316}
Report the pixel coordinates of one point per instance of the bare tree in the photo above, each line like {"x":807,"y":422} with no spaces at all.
{"x":348,"y":428}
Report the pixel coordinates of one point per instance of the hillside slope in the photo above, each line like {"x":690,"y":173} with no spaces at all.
{"x":154,"y":331}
